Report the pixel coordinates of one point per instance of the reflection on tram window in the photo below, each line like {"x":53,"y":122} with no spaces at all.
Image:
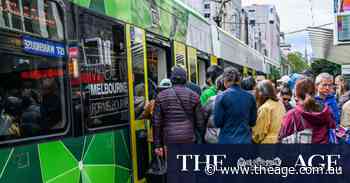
{"x":39,"y":17}
{"x":32,"y":97}
{"x":138,"y":71}
{"x":157,"y":67}
{"x":103,"y":74}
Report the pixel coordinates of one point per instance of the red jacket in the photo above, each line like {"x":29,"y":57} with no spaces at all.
{"x":319,"y":122}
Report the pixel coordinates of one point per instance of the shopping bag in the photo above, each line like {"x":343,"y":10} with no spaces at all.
{"x":157,"y":170}
{"x":299,"y":137}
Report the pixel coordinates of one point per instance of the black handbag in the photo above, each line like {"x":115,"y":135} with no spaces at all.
{"x":157,"y":170}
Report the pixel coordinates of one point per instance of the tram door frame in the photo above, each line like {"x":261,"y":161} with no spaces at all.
{"x":137,"y":125}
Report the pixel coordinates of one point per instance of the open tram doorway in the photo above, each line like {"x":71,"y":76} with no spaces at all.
{"x":158,"y":65}
{"x":149,"y":59}
{"x":203,"y":63}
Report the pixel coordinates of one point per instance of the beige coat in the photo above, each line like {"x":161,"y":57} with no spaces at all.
{"x":345,"y":115}
{"x":269,"y":122}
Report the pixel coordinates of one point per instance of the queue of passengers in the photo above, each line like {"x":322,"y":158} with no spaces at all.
{"x":298,"y":109}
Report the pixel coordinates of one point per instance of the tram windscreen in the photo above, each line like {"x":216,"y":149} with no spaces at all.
{"x":38,"y":17}
{"x":105,"y":89}
{"x":32,"y":96}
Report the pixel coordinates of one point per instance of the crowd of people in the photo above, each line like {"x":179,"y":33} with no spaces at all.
{"x":300,"y":108}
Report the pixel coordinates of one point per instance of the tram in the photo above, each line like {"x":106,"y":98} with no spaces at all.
{"x":75,"y":75}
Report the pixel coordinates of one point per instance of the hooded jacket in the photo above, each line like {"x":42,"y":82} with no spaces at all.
{"x":319,"y":122}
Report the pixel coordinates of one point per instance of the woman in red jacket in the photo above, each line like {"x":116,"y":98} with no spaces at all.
{"x":316,"y":117}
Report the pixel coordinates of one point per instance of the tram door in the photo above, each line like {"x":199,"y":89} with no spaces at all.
{"x":203,"y":62}
{"x":157,"y":66}
{"x":201,"y":72}
{"x":138,"y":92}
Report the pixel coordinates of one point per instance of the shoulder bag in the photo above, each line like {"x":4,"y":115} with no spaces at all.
{"x":299,"y":137}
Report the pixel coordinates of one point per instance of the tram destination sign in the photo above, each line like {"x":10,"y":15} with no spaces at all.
{"x":43,"y":47}
{"x":109,"y":98}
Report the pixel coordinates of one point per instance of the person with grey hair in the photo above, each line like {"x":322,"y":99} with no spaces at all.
{"x":325,"y":94}
{"x":235,"y":111}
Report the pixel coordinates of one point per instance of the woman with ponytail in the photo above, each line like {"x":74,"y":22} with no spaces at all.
{"x":308,"y":114}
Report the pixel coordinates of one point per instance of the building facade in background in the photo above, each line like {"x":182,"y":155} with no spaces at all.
{"x":264,"y":30}
{"x":227,"y":15}
{"x":286,"y":48}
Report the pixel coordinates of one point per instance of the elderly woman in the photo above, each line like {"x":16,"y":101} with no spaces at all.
{"x":270,"y":114}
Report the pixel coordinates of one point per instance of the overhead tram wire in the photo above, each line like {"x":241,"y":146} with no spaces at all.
{"x":312,"y":13}
{"x":305,"y":29}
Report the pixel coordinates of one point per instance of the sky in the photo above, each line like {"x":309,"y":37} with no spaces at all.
{"x":296,"y":15}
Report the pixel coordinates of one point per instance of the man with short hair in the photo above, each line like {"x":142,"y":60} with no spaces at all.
{"x":235,"y":111}
{"x":324,"y":84}
{"x":213,"y":72}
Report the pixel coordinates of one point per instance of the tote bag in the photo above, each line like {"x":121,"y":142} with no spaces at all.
{"x":299,"y":137}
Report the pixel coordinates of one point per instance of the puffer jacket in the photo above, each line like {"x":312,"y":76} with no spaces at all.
{"x":171,"y":122}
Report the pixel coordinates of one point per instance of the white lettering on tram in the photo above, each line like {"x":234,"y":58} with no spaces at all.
{"x":38,"y":46}
{"x":108,"y":106}
{"x":108,"y":88}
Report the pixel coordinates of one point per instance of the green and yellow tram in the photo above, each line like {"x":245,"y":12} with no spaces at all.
{"x":75,"y":75}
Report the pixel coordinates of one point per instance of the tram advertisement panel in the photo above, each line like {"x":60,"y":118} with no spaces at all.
{"x":180,"y":54}
{"x":342,"y":21}
{"x":104,"y":74}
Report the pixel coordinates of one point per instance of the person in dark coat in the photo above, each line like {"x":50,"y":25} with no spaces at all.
{"x":235,"y":111}
{"x":248,"y":84}
{"x":177,"y":114}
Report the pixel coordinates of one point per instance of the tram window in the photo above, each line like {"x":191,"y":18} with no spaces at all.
{"x":193,"y":69}
{"x":104,"y":83}
{"x":138,"y":72}
{"x":39,"y":17}
{"x":32,"y":96}
{"x":157,"y":68}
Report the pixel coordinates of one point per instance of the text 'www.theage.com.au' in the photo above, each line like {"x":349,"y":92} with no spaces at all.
{"x":316,"y":164}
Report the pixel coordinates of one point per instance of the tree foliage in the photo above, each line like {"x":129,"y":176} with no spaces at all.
{"x":275,"y":74}
{"x":297,"y":62}
{"x":322,"y":65}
